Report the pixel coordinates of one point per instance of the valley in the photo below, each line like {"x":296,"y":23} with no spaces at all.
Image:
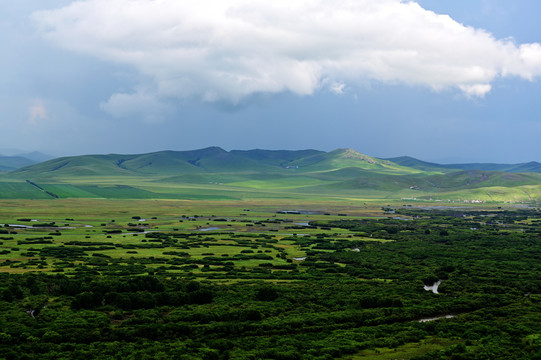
{"x":267,"y":255}
{"x":214,"y":173}
{"x":267,"y":278}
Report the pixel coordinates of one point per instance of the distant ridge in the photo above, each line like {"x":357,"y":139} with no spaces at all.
{"x":276,"y":157}
{"x":36,"y":156}
{"x":14,"y":162}
{"x":532,"y":166}
{"x":10,"y":163}
{"x":217,"y":173}
{"x":418,"y":164}
{"x":207,"y":160}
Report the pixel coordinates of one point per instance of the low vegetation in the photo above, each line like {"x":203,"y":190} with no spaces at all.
{"x":215,"y":174}
{"x":259,"y":279}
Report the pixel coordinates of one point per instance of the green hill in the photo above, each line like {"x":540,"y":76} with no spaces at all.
{"x":10,"y":163}
{"x":411,"y":162}
{"x":163,"y":163}
{"x":216,"y":173}
{"x":347,"y":158}
{"x":408,"y":161}
{"x":209,"y":160}
{"x":281,"y":158}
{"x":529,"y":167}
{"x":532,"y":166}
{"x":478,"y":178}
{"x":86,"y":165}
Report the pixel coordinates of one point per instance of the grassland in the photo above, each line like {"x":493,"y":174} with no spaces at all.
{"x":307,"y":277}
{"x":305,"y":255}
{"x":214,"y":174}
{"x":125,"y":222}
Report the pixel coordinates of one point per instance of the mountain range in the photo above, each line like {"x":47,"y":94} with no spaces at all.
{"x":531,"y":166}
{"x":214,"y":172}
{"x":14,"y":162}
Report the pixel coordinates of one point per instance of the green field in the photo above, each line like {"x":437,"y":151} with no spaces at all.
{"x":215,"y":174}
{"x":259,"y":254}
{"x":268,"y":278}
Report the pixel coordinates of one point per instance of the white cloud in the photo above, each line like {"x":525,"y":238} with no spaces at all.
{"x":230,"y":49}
{"x":338,"y":88}
{"x":140,"y":104}
{"x":37,"y":111}
{"x":479,"y":90}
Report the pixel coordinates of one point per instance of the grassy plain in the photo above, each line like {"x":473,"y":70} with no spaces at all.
{"x":305,"y":276}
{"x":214,"y":174}
{"x":258,"y":254}
{"x":407,"y":351}
{"x":125,"y":222}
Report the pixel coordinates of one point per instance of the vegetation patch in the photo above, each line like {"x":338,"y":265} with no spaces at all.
{"x":350,"y":287}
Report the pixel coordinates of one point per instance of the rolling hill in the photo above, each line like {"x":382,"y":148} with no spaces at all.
{"x":216,"y":173}
{"x":10,"y":163}
{"x":532,"y":166}
{"x":513,"y":168}
{"x":208,"y":160}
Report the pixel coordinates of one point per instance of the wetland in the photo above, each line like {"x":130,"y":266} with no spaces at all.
{"x":139,"y":278}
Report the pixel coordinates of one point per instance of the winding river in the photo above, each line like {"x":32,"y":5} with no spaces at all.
{"x":436,"y":318}
{"x":433,"y":287}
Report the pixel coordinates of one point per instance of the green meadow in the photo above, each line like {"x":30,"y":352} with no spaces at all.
{"x":215,"y":174}
{"x":268,"y":278}
{"x":267,"y":255}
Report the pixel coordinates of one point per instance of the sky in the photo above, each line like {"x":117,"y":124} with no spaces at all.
{"x":440,"y":80}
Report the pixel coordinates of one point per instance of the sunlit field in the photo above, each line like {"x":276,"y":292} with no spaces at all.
{"x":268,"y":278}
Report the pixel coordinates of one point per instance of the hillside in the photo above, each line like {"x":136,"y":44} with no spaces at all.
{"x":414,"y":163}
{"x":281,"y":158}
{"x":86,"y":165}
{"x":348,"y":158}
{"x":10,"y":163}
{"x":216,"y":173}
{"x":208,"y":160}
{"x":408,"y":161}
{"x":36,"y":156}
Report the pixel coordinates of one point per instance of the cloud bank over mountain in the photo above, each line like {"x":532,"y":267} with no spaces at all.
{"x":229,"y":50}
